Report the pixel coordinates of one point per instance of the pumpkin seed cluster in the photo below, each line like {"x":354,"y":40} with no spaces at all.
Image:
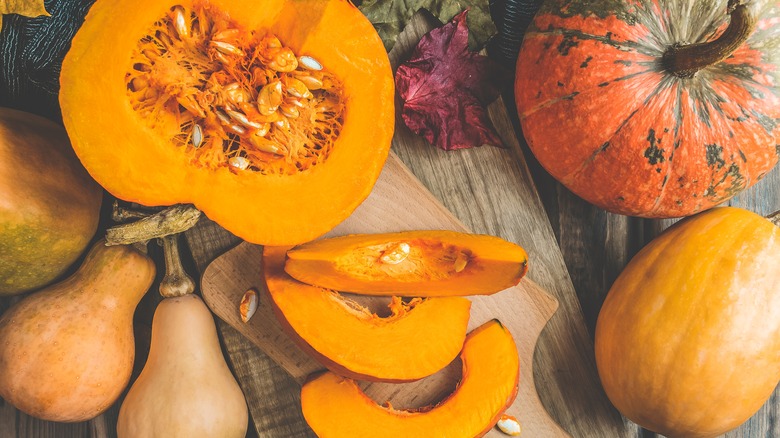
{"x":237,"y":98}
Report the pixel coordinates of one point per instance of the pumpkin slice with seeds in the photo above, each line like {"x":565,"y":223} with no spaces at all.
{"x":275,"y":121}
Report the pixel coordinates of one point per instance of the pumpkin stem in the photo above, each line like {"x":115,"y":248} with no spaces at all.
{"x":176,"y":282}
{"x":172,"y":220}
{"x":685,"y":60}
{"x":774,"y":218}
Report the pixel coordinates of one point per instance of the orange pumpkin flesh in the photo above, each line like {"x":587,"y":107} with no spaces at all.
{"x":411,"y":263}
{"x":336,"y":407}
{"x":352,"y":341}
{"x":688,"y":340}
{"x":162,"y":101}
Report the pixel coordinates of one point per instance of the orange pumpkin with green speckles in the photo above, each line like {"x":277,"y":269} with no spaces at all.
{"x":653,"y":109}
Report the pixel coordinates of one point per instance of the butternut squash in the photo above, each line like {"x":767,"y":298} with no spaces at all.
{"x":66,"y":352}
{"x":185,"y":389}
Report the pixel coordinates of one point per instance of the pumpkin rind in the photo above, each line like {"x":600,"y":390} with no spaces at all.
{"x":606,"y":119}
{"x":336,"y":407}
{"x":136,"y":163}
{"x":688,"y":340}
{"x":440,"y":263}
{"x":356,"y":343}
{"x":49,"y":206}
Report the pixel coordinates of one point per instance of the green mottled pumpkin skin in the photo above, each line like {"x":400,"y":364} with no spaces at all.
{"x":49,"y":205}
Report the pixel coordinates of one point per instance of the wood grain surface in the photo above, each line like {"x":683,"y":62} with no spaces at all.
{"x":485,"y":188}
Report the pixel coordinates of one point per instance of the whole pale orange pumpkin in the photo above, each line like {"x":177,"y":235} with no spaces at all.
{"x":688,"y":339}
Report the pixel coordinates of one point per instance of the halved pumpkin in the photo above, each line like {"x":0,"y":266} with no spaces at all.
{"x":410,"y":263}
{"x":336,"y":407}
{"x":420,"y":337}
{"x":274,"y":119}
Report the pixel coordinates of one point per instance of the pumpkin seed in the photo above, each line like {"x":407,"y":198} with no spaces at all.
{"x":235,"y":93}
{"x":395,"y":254}
{"x":239,"y":162}
{"x":242,"y":119}
{"x":283,"y":60}
{"x":309,"y":63}
{"x":197,"y":135}
{"x":310,"y":82}
{"x":290,"y":111}
{"x":509,"y":425}
{"x":179,"y":22}
{"x":248,"y":305}
{"x":265,"y":145}
{"x":295,"y":87}
{"x":460,"y":262}
{"x":224,"y":35}
{"x":269,"y":98}
{"x":227,"y":48}
{"x":283,"y":124}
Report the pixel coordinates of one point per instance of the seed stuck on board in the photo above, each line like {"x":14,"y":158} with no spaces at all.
{"x":509,"y":425}
{"x":248,"y":305}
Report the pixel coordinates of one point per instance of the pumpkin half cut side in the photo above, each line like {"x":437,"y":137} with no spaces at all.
{"x":419,"y":338}
{"x":275,"y":121}
{"x":336,"y":407}
{"x":410,"y":263}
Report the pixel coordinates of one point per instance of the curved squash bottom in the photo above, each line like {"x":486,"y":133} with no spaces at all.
{"x":335,"y":407}
{"x":410,"y":263}
{"x":419,"y":338}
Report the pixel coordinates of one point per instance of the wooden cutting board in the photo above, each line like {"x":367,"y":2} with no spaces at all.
{"x":398,"y":202}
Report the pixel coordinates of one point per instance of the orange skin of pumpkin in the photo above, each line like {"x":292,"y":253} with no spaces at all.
{"x":66,"y":352}
{"x":688,"y":339}
{"x":353,"y":264}
{"x":360,"y":346}
{"x":336,"y":407}
{"x":606,"y":120}
{"x":136,"y":163}
{"x":49,"y":206}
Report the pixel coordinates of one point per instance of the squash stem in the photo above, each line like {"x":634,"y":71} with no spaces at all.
{"x":172,"y":220}
{"x":685,"y":60}
{"x":176,"y":282}
{"x":775,"y":218}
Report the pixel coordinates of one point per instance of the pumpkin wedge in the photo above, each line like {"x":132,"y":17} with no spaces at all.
{"x":410,"y":263}
{"x":336,"y":407}
{"x":274,"y":120}
{"x":350,"y":340}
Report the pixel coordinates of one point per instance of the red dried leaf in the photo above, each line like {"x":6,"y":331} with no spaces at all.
{"x":445,"y":89}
